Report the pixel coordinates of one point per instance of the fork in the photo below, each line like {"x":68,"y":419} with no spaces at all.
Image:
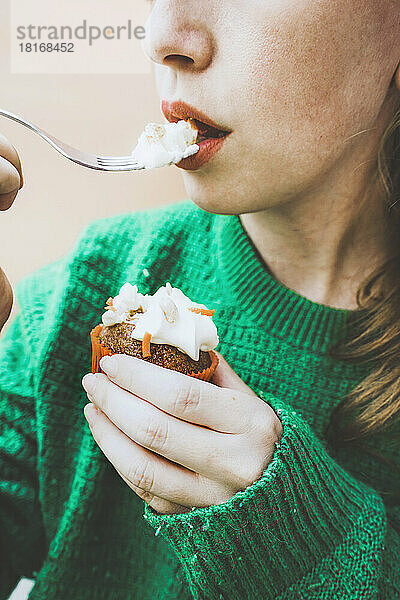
{"x":92,"y":161}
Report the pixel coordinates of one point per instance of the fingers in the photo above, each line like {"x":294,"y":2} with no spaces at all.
{"x":8,"y":152}
{"x":160,"y":505}
{"x":176,"y":440}
{"x":9,"y":183}
{"x":146,"y":470}
{"x":225,"y":376}
{"x":397,"y":77}
{"x":6,"y":298}
{"x":11,"y":179}
{"x":199,"y":402}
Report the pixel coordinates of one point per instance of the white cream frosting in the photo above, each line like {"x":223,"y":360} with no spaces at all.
{"x":166,"y":316}
{"x":161,"y":145}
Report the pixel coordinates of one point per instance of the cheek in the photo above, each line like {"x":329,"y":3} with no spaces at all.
{"x":314,"y":79}
{"x":303,"y":83}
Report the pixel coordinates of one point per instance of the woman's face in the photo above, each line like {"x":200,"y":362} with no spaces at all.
{"x":292,"y":79}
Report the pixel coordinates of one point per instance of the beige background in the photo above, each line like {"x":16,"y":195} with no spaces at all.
{"x":97,"y":113}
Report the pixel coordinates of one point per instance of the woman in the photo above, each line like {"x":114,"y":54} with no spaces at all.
{"x":281,"y":480}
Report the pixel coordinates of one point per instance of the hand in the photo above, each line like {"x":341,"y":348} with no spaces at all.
{"x":176,"y":441}
{"x":10,"y":182}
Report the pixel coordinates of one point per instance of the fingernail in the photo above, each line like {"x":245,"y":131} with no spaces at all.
{"x":89,"y":383}
{"x":109,"y":365}
{"x":90,"y":412}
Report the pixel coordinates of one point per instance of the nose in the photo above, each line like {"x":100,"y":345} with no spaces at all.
{"x":178,"y":36}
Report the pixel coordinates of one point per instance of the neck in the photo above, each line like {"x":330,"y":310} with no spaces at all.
{"x":323,"y":246}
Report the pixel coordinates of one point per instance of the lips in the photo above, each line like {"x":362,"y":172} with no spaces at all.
{"x":210,"y":138}
{"x":207,"y":128}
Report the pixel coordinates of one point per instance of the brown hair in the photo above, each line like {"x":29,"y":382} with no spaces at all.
{"x":374,"y":404}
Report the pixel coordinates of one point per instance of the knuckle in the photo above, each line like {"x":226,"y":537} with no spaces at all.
{"x":187,"y":399}
{"x":141,"y":477}
{"x":247,"y":473}
{"x":228,"y":467}
{"x":255,"y":470}
{"x":262,"y":423}
{"x":155,"y":435}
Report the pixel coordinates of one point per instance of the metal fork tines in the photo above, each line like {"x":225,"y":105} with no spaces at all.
{"x":118,"y":163}
{"x":92,"y":161}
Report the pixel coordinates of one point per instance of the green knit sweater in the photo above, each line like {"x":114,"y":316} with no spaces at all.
{"x":318,"y":523}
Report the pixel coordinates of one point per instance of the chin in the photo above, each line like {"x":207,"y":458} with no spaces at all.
{"x":213,"y":205}
{"x":217,"y":199}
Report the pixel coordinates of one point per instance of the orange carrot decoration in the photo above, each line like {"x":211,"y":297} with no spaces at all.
{"x":110,"y":306}
{"x":146,"y":345}
{"x":203,"y":311}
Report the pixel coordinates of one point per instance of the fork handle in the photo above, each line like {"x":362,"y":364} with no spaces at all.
{"x":13,"y":117}
{"x":54,"y":142}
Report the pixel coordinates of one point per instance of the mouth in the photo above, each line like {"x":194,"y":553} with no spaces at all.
{"x":207,"y":129}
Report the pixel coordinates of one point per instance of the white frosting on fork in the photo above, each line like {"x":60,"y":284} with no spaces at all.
{"x":166,"y":316}
{"x":167,"y":144}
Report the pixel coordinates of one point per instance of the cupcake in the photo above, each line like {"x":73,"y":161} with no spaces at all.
{"x":166,"y":329}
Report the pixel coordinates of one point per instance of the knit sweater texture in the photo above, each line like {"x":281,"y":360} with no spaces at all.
{"x":319,"y":522}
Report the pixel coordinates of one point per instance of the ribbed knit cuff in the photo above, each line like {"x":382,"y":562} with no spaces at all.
{"x":267,"y":537}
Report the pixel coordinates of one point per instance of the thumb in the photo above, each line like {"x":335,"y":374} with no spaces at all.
{"x":225,"y":376}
